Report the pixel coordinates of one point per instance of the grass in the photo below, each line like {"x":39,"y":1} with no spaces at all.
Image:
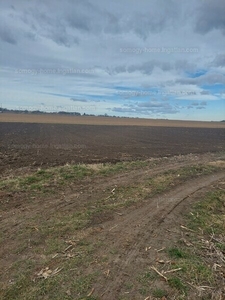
{"x":144,"y":282}
{"x":207,"y":222}
{"x":128,"y":195}
{"x":44,"y":180}
{"x":147,"y":277}
{"x":51,"y":288}
{"x":176,"y":253}
{"x":176,"y":283}
{"x":159,"y":293}
{"x":69,"y":283}
{"x":209,"y":215}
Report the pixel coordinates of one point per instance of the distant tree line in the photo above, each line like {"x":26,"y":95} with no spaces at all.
{"x":25,"y":111}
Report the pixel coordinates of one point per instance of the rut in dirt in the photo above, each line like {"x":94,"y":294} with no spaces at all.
{"x":138,"y":227}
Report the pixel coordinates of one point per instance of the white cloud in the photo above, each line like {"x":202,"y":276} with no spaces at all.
{"x":53,"y":35}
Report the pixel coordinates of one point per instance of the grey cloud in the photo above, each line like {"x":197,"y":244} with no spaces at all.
{"x":219,"y":61}
{"x":181,"y":65}
{"x":82,"y":16}
{"x":97,"y":18}
{"x":205,"y":93}
{"x":198,"y":105}
{"x":60,"y":36}
{"x":45,"y":24}
{"x":113,"y":25}
{"x":6,"y":34}
{"x":144,"y":68}
{"x":209,"y":78}
{"x":90,"y":18}
{"x":148,"y":66}
{"x":123,"y":109}
{"x":152,"y":104}
{"x":146,"y":24}
{"x":210,"y":16}
{"x":153,"y":19}
{"x":150,"y":107}
{"x":203,"y":103}
{"x":78,"y":100}
{"x":79,"y":22}
{"x":30,"y":36}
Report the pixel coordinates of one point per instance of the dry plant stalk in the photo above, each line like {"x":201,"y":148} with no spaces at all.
{"x":159,"y":273}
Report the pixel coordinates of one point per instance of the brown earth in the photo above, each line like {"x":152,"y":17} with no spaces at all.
{"x":93,"y":120}
{"x":34,"y":145}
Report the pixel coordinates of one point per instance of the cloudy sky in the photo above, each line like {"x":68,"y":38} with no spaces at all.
{"x":147,"y":58}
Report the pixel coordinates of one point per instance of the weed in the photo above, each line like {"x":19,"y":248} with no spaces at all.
{"x":143,"y":291}
{"x":159,"y":293}
{"x":177,"y":253}
{"x":146,"y":277}
{"x":209,"y":214}
{"x":128,"y":285}
{"x":175,"y":282}
{"x":82,"y":285}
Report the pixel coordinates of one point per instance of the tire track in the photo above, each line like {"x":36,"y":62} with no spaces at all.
{"x":139,"y":226}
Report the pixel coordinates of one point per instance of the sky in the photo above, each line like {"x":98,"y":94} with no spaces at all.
{"x":160,"y":59}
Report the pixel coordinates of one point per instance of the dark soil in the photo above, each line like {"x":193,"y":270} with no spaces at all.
{"x":27,"y":144}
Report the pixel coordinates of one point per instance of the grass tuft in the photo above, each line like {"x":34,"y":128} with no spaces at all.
{"x":159,"y":293}
{"x":177,"y":253}
{"x":176,"y":283}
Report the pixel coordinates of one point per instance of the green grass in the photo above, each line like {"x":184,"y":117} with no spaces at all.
{"x":209,"y":214}
{"x":159,"y":293}
{"x":55,"y":287}
{"x":176,"y":283}
{"x":128,"y":195}
{"x":147,"y":277}
{"x":83,"y":285}
{"x":144,"y":282}
{"x":128,"y":285}
{"x":43,"y":179}
{"x":69,"y":283}
{"x":176,"y":253}
{"x":110,"y":169}
{"x":207,"y":218}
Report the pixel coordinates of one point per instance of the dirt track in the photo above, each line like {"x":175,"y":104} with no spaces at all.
{"x":123,"y":236}
{"x":144,"y":227}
